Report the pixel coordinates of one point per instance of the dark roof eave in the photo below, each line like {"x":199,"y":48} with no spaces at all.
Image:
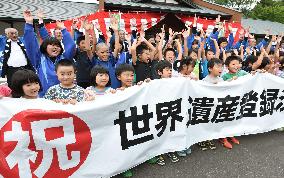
{"x":10,"y":19}
{"x":136,"y":8}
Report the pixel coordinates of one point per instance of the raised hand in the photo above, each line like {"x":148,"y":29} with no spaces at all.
{"x":185,"y":34}
{"x":218,"y":19}
{"x":142,"y":34}
{"x":128,"y":37}
{"x":142,"y":38}
{"x":28,"y":16}
{"x":97,"y":26}
{"x":242,"y":48}
{"x":230,"y":28}
{"x":236,"y":52}
{"x":251,"y":36}
{"x":60,"y":25}
{"x":163,"y":29}
{"x":40,"y":16}
{"x":75,"y":23}
{"x":267,"y":32}
{"x":247,"y":31}
{"x":171,"y":32}
{"x":114,"y":24}
{"x":274,"y":38}
{"x":213,"y":39}
{"x":241,"y":32}
{"x":143,"y":27}
{"x":197,"y":38}
{"x":195,"y":20}
{"x":262,"y":50}
{"x":133,"y":22}
{"x":108,"y":33}
{"x":88,"y":26}
{"x":279,"y":38}
{"x":248,"y":50}
{"x":202,"y":33}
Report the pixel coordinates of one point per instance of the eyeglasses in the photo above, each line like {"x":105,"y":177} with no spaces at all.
{"x":13,"y":33}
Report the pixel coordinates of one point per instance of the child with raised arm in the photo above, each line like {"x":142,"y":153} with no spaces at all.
{"x":83,"y":57}
{"x":66,"y":92}
{"x":143,"y":59}
{"x":108,"y":59}
{"x":45,"y":57}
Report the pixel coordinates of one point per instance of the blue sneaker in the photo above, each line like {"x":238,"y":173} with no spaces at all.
{"x":181,"y":153}
{"x":188,"y":151}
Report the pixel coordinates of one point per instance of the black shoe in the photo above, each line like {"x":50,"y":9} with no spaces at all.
{"x":203,"y":146}
{"x":211,"y":145}
{"x":161,"y":161}
{"x":173,"y":157}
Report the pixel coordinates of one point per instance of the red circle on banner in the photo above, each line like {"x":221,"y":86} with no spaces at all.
{"x":82,"y":144}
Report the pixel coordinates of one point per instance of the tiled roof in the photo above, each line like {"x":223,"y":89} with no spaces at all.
{"x":260,"y":26}
{"x":52,"y":9}
{"x":222,"y":6}
{"x":161,"y":7}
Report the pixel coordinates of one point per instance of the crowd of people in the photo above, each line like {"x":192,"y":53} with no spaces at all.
{"x":71,"y":67}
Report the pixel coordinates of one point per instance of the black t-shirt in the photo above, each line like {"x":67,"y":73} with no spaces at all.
{"x":84,"y":65}
{"x":145,"y":70}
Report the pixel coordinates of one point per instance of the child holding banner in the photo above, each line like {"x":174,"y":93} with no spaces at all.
{"x":100,"y":82}
{"x":25,"y":84}
{"x":185,"y":67}
{"x":215,"y":68}
{"x":107,"y":59}
{"x":125,"y":74}
{"x":280,"y":73}
{"x":164,"y":70}
{"x":233,"y":64}
{"x":66,"y":92}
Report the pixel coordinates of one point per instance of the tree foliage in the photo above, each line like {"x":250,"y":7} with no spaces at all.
{"x":268,"y":10}
{"x":272,"y":10}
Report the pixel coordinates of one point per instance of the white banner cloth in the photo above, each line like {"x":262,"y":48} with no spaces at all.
{"x":119,"y":131}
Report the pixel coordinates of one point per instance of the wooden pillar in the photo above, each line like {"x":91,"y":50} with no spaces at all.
{"x":101,"y":5}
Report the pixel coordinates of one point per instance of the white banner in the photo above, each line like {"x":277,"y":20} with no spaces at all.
{"x":39,"y":138}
